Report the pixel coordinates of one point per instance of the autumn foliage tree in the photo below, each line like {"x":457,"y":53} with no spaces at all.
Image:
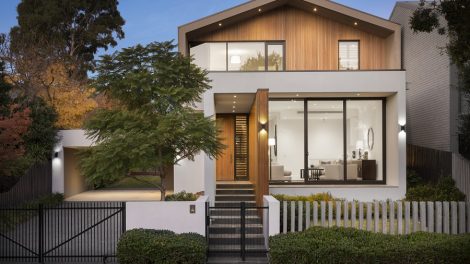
{"x":72,"y":99}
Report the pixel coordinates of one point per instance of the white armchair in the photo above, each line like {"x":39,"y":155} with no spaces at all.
{"x":279,"y":174}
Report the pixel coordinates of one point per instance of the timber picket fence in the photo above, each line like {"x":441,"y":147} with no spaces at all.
{"x":388,"y":217}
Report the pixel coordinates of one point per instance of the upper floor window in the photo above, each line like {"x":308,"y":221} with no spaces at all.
{"x":348,"y":55}
{"x":239,"y":56}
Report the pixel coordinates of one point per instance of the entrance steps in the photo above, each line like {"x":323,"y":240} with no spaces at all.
{"x":225,"y":227}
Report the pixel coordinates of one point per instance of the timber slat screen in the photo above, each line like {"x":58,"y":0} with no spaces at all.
{"x":430,"y":164}
{"x":36,"y":182}
{"x":72,"y":231}
{"x":241,"y":147}
{"x":388,"y":217}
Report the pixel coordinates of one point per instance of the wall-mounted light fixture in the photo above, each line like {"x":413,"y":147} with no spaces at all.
{"x":263,"y":127}
{"x":56,"y":154}
{"x":403,"y":128}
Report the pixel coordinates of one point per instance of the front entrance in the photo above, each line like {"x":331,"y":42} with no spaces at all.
{"x":233,"y":162}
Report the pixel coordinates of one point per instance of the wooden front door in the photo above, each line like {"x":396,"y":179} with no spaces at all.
{"x":225,"y":162}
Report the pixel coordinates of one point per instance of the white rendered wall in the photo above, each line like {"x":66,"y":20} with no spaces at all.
{"x":392,"y":83}
{"x":271,"y":221}
{"x":174,"y":216}
{"x":189,"y":175}
{"x":67,"y":139}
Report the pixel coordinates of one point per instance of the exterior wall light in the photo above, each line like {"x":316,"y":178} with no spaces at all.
{"x":403,"y":128}
{"x":56,"y":154}
{"x":263,"y":127}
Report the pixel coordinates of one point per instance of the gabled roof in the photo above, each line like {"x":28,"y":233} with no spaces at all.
{"x":330,"y":9}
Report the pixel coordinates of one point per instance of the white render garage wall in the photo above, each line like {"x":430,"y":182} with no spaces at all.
{"x":391,"y":82}
{"x":67,"y":139}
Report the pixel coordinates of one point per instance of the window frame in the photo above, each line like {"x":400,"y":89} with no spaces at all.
{"x":305,"y":130}
{"x":265,"y":42}
{"x":358,"y":53}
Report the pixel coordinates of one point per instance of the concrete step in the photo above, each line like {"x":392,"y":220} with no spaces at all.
{"x":232,"y":212}
{"x":235,"y":239}
{"x":235,"y":197}
{"x":236,"y":248}
{"x":234,"y":191}
{"x":235,"y":229}
{"x":234,"y":219}
{"x":234,"y":186}
{"x":235,"y":204}
{"x":237,"y":260}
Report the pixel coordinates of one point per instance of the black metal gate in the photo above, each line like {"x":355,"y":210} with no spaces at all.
{"x":237,"y":230}
{"x":79,"y":231}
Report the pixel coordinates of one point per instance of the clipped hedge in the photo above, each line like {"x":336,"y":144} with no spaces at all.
{"x":348,"y":245}
{"x":148,"y":246}
{"x":181,"y":196}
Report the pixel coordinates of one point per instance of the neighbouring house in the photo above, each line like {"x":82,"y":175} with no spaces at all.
{"x":309,"y":96}
{"x":434,"y":101}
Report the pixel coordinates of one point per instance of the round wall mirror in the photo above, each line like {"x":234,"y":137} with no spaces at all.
{"x":370,"y":138}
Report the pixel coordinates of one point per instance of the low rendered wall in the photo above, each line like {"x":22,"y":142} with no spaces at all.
{"x":174,"y":216}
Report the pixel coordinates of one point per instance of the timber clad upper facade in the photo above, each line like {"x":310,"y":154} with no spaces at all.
{"x":311,"y":31}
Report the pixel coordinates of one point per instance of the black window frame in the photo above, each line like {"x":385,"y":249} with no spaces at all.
{"x":345,"y":181}
{"x":358,"y":53}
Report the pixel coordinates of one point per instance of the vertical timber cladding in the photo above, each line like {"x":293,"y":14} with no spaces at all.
{"x":258,"y":142}
{"x":311,"y":40}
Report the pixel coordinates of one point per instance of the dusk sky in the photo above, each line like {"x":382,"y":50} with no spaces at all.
{"x":158,"y":20}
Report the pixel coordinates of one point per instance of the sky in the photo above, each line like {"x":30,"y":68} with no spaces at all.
{"x":158,"y":20}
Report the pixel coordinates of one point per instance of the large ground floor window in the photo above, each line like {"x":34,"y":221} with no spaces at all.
{"x":323,"y":140}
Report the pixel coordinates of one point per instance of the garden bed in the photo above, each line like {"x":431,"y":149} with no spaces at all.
{"x":348,"y":245}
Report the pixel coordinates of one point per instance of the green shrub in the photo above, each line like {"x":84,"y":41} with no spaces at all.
{"x":413,"y":179}
{"x":348,"y":245}
{"x":444,"y":190}
{"x":147,"y":246}
{"x":181,"y":196}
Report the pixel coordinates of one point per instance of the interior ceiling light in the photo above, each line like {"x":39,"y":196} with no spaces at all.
{"x":355,"y":23}
{"x":259,"y":10}
{"x":314,"y":9}
{"x":234,"y":96}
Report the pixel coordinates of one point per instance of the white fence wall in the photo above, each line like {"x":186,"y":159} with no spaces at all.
{"x":175,"y":216}
{"x":461,"y":174}
{"x":388,"y":217}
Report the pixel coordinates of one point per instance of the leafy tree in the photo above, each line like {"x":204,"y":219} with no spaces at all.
{"x":14,"y":123}
{"x":41,"y":136}
{"x":71,"y":99}
{"x":75,"y":29}
{"x":155,"y":126}
{"x":456,"y":14}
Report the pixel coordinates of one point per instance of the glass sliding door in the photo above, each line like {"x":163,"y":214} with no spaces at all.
{"x":338,"y":140}
{"x":365,"y":140}
{"x":325,"y":141}
{"x":286,"y":138}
